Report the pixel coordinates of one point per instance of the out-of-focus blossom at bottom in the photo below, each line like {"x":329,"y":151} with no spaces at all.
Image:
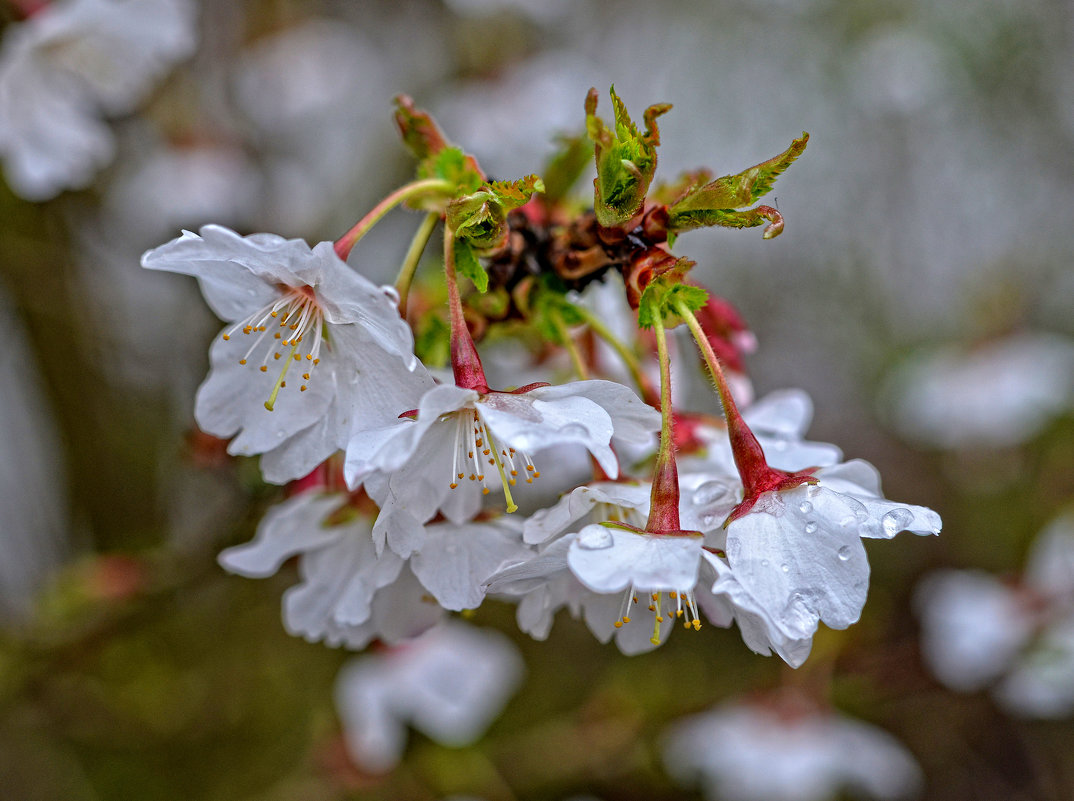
{"x":32,"y":487}
{"x":450,"y":683}
{"x":997,"y":394}
{"x":784,"y":748}
{"x":1016,"y":637}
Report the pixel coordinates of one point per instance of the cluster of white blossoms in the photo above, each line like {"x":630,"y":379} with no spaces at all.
{"x":424,"y":493}
{"x":67,"y":65}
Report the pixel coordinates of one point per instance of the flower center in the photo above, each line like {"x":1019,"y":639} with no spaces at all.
{"x":476,"y":451}
{"x":291,"y":328}
{"x":685,"y":609}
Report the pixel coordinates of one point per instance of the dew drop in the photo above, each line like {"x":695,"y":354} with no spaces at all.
{"x":806,"y":507}
{"x":764,"y":563}
{"x":595,"y":538}
{"x":896,"y":520}
{"x":709,"y":519}
{"x":785,"y":568}
{"x":810,"y":527}
{"x":710,"y":492}
{"x":844,"y":553}
{"x":574,"y":430}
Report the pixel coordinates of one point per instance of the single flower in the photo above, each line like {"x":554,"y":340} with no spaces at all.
{"x":795,"y":559}
{"x":460,"y":443}
{"x":311,"y":347}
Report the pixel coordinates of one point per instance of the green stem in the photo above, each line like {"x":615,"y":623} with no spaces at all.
{"x":413,"y":256}
{"x":630,"y":360}
{"x":346,"y":242}
{"x":570,"y":345}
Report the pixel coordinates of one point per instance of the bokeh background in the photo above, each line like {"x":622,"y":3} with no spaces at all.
{"x":931,"y":209}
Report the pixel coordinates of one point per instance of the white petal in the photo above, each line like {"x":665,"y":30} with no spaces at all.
{"x":609,"y":560}
{"x":529,"y":424}
{"x":456,"y":561}
{"x":546,"y":523}
{"x":292,"y":527}
{"x":633,"y":420}
{"x":803,"y":559}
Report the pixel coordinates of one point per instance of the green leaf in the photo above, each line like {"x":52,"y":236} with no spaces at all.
{"x":481,"y":218}
{"x":467,"y":264}
{"x":660,"y":298}
{"x":715,"y":203}
{"x":625,"y":159}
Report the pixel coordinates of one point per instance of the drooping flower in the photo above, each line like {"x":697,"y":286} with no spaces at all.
{"x":795,"y":558}
{"x":786,"y":749}
{"x":461,"y":441}
{"x":450,"y":684}
{"x":297,"y":313}
{"x":65,"y":67}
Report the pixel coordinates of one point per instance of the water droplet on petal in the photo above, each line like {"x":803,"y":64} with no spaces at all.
{"x":710,"y":492}
{"x":844,"y":553}
{"x":896,"y":520}
{"x":574,"y":430}
{"x":709,"y":519}
{"x":810,"y":527}
{"x":764,"y":563}
{"x":595,"y":538}
{"x":806,"y":507}
{"x":785,"y":568}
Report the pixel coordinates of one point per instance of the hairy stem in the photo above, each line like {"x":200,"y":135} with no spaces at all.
{"x":346,"y":242}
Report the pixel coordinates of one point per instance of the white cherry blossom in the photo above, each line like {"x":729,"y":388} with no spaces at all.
{"x":67,"y":66}
{"x":626,"y":584}
{"x":450,"y":684}
{"x":784,"y":751}
{"x":297,"y":313}
{"x":795,"y":559}
{"x":460,"y":442}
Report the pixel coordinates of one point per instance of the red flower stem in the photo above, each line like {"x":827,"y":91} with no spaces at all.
{"x":346,"y":242}
{"x":749,"y":456}
{"x":465,"y":361}
{"x":664,"y":498}
{"x":413,"y":256}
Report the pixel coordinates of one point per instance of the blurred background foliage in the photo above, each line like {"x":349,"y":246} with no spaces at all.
{"x":933,"y":205}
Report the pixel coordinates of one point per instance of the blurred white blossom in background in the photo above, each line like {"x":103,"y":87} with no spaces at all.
{"x":784,"y":749}
{"x":450,"y":684}
{"x":68,"y":65}
{"x":1013,"y":637}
